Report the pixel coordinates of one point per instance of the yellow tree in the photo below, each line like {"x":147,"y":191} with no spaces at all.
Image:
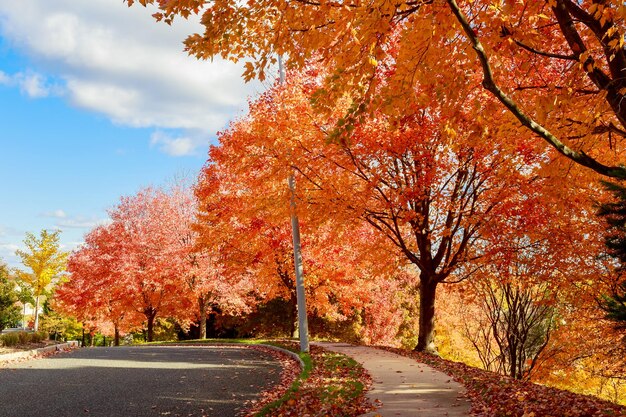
{"x":44,"y":261}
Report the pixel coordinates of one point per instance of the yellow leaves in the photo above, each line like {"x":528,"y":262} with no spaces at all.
{"x":610,"y":32}
{"x":249,"y":72}
{"x":616,"y":44}
{"x":586,"y":61}
{"x":495,"y":7}
{"x":450,"y":132}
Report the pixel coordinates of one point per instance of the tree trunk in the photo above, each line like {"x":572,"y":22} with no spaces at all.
{"x":150,"y":314}
{"x":512,"y":360}
{"x":293,"y":320}
{"x":36,"y":314}
{"x":425,"y":341}
{"x":117,"y":336}
{"x":202,"y":303}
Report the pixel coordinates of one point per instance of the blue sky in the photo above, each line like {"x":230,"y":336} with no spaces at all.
{"x":97,"y":101}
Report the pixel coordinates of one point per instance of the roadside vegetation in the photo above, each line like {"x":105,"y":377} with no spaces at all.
{"x":331,"y":384}
{"x":16,"y":341}
{"x":495,"y":395}
{"x":21,"y":338}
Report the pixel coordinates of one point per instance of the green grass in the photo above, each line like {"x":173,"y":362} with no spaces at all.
{"x":349,"y":386}
{"x":295,"y":386}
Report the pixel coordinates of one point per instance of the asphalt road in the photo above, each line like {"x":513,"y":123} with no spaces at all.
{"x":137,"y":382}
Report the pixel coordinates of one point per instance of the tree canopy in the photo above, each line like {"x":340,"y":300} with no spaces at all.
{"x":554,"y":66}
{"x":44,"y":261}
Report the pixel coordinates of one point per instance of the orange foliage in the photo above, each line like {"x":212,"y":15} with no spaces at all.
{"x":555,"y":66}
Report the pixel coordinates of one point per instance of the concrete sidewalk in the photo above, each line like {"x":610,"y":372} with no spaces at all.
{"x":405,"y":387}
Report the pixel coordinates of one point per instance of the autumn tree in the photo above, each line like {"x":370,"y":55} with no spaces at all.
{"x":202,"y":266}
{"x":144,"y":263}
{"x":518,"y":323}
{"x":534,"y":258}
{"x":151,"y":264}
{"x":255,"y":249}
{"x":243,"y":201}
{"x":94,"y":291}
{"x":44,"y":261}
{"x":431,"y":187}
{"x":555,"y":66}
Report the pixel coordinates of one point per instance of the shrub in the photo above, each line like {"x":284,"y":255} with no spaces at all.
{"x":38,"y":337}
{"x":10,"y":339}
{"x":24,"y":337}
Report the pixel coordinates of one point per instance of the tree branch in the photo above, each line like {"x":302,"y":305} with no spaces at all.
{"x":490,"y":85}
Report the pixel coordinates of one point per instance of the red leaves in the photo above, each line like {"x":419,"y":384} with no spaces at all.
{"x":496,"y":395}
{"x":291,"y":370}
{"x":333,"y":388}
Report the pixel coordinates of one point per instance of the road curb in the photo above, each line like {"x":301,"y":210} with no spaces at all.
{"x":8,"y":357}
{"x":288,"y":352}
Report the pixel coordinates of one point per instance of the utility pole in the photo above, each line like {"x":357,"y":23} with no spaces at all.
{"x":303,"y":324}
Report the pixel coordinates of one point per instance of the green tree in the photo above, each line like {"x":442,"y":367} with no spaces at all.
{"x":9,"y":311}
{"x":615,"y":306}
{"x":44,"y":262}
{"x":614,"y":213}
{"x":58,"y":325}
{"x":25,"y":296}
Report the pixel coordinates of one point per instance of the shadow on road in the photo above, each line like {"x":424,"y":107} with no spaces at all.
{"x":137,"y":381}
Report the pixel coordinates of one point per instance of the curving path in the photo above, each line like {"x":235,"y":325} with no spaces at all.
{"x":137,"y":382}
{"x":405,"y":387}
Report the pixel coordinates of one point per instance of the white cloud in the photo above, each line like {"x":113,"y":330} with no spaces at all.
{"x":7,"y":254}
{"x":9,"y":247}
{"x":121,"y":63}
{"x":33,"y":84}
{"x":79,"y":223}
{"x":179,"y":145}
{"x":10,"y":231}
{"x":64,"y":221}
{"x":58,"y":214}
{"x":4,"y":78}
